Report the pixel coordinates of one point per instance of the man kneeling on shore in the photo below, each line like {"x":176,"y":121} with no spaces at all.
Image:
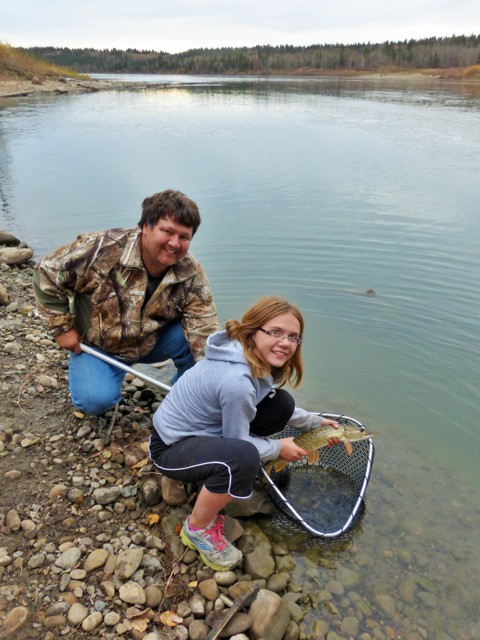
{"x":135,"y":294}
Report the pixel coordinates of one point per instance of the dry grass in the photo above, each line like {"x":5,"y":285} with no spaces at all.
{"x":472,"y":72}
{"x":19,"y":65}
{"x":455,"y":73}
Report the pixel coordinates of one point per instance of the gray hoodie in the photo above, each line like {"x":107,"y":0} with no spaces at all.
{"x":218,"y":397}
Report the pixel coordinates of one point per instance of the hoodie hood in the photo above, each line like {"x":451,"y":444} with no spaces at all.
{"x":221,"y":347}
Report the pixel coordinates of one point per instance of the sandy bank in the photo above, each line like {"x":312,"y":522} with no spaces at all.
{"x":13,"y":88}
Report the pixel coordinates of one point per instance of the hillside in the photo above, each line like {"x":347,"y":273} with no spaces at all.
{"x":21,"y":74}
{"x":16,"y":64}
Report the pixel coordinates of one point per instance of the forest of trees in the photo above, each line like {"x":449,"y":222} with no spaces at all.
{"x":429,"y":53}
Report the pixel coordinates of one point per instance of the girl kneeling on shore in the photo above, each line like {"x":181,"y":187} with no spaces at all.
{"x":213,"y":426}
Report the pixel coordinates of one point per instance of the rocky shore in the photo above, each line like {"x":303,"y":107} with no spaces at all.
{"x":16,"y":88}
{"x":89,"y":543}
{"x":89,"y":532}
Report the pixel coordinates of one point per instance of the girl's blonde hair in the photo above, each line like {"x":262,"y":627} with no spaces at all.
{"x":252,"y":320}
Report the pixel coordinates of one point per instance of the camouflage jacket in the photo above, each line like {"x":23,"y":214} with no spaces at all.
{"x":97,"y":284}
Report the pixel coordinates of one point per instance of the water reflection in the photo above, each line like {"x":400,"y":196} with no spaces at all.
{"x":417,"y":87}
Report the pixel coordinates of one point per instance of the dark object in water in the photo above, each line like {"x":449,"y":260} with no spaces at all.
{"x":327,"y":498}
{"x":368,"y":293}
{"x":281,"y":478}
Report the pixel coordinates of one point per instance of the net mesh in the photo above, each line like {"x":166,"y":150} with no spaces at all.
{"x":326,"y":498}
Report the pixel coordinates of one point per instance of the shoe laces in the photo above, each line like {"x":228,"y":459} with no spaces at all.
{"x":215,"y":533}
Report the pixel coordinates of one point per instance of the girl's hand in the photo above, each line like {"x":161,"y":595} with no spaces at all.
{"x":290,"y":451}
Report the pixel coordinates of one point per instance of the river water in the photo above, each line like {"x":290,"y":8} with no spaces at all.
{"x":317,"y":190}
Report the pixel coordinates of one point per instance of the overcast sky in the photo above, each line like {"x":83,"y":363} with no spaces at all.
{"x":178,"y":25}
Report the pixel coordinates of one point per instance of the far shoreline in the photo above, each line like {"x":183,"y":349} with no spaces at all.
{"x":20,"y":87}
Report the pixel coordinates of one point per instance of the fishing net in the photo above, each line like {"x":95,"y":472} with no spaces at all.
{"x":327,"y":498}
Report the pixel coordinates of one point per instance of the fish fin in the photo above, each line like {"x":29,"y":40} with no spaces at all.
{"x":312,"y":456}
{"x":281,"y":464}
{"x":348,"y":448}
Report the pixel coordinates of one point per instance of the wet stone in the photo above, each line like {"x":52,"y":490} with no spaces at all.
{"x":347,"y":577}
{"x":430,"y":599}
{"x":259,"y":563}
{"x":278,"y":582}
{"x":335,"y":587}
{"x":350,"y":626}
{"x":386,"y":604}
{"x":269,"y":615}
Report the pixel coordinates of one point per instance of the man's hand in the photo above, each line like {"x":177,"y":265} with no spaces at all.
{"x":70,"y":340}
{"x":331,"y":423}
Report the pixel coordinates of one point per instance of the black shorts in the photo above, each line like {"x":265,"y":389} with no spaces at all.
{"x":224,"y":465}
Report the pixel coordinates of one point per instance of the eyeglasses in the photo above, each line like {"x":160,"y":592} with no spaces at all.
{"x":278,"y":334}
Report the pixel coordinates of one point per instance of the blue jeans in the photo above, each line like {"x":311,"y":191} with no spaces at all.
{"x":95,"y":386}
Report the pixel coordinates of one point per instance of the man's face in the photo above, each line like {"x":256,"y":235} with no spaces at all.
{"x":164,"y":244}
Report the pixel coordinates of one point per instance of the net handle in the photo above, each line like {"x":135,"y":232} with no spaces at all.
{"x":341,"y":416}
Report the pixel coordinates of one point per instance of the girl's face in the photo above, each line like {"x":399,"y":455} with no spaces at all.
{"x":276,"y":351}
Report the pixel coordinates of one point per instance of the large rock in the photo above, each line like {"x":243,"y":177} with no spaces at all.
{"x":96,"y":559}
{"x":14,"y":621}
{"x":258,"y":503}
{"x":132,"y":593}
{"x":151,"y":491}
{"x":173,"y":491}
{"x":7,"y":240}
{"x":128,"y":562}
{"x":4,"y":299}
{"x":259,"y":563}
{"x":270,"y":616}
{"x":12,"y":255}
{"x":106,"y":495}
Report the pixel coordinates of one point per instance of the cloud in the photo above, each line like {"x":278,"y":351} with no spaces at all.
{"x":183,"y":24}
